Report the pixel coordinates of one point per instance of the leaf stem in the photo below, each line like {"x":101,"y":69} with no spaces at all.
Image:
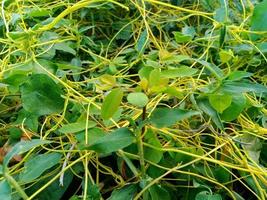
{"x":14,"y":183}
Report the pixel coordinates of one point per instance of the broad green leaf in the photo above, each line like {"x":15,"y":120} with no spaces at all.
{"x":179,"y":72}
{"x":15,"y":133}
{"x":220,"y":101}
{"x":205,"y":106}
{"x":164,"y":117}
{"x":22,"y":147}
{"x":182,"y":38}
{"x":204,"y":195}
{"x":35,"y":166}
{"x":259,"y":19}
{"x":76,"y":127}
{"x":237,"y":75}
{"x":41,"y":95}
{"x":111,"y":103}
{"x":127,"y":192}
{"x":5,"y":190}
{"x":114,"y":141}
{"x":236,"y":107}
{"x":138,"y":99}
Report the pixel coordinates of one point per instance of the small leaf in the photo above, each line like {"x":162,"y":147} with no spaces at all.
{"x":164,"y":117}
{"x":22,"y":147}
{"x":182,"y":38}
{"x":111,"y":103}
{"x":226,"y":56}
{"x":65,"y":47}
{"x":37,"y":165}
{"x":127,"y":192}
{"x":138,"y":99}
{"x":183,"y":71}
{"x":141,"y":42}
{"x":5,"y":190}
{"x":76,"y":127}
{"x":40,"y":95}
{"x":220,"y":101}
{"x":114,"y":141}
{"x":204,"y":195}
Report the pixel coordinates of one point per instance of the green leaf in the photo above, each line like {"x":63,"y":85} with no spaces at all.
{"x":164,"y":117}
{"x":5,"y":190}
{"x":152,"y":154}
{"x":65,"y":47}
{"x":237,"y":75}
{"x":241,"y":87}
{"x":183,"y":71}
{"x":22,"y":147}
{"x":141,"y":42}
{"x":220,"y":101}
{"x":29,"y":120}
{"x":157,"y":192}
{"x":127,"y":192}
{"x":93,"y":135}
{"x":111,"y":103}
{"x":226,"y":56}
{"x":182,"y":38}
{"x":35,"y":166}
{"x":14,"y":81}
{"x":204,"y":195}
{"x":259,"y":19}
{"x":236,"y":107}
{"x":114,"y":141}
{"x":40,"y":95}
{"x":205,"y":106}
{"x":40,"y":12}
{"x":138,"y":99}
{"x":76,"y":127}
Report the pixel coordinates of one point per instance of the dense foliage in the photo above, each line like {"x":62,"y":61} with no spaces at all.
{"x":133,"y":99}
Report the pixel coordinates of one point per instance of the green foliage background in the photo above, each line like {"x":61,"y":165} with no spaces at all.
{"x":133,"y":99}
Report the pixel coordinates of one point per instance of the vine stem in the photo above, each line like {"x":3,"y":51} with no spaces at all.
{"x":14,"y":183}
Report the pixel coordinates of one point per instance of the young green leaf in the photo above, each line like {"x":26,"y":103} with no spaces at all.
{"x":37,"y":165}
{"x":111,"y":103}
{"x":138,"y":99}
{"x":220,"y":101}
{"x":164,"y":117}
{"x":40,"y":95}
{"x":114,"y":141}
